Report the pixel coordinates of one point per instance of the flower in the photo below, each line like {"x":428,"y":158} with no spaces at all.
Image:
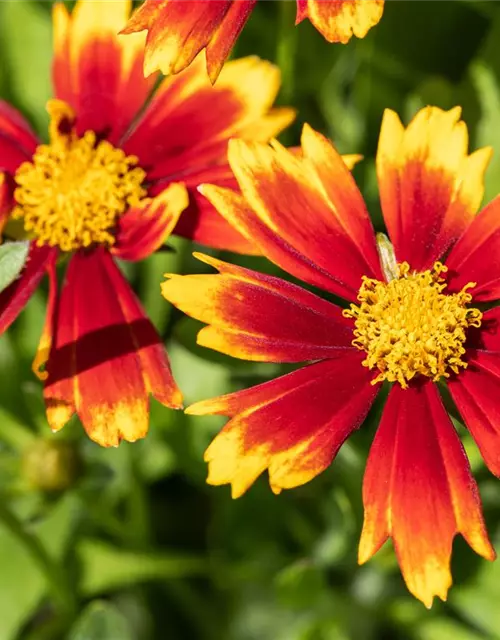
{"x":112,"y":182}
{"x":413,"y":322}
{"x":179,"y":29}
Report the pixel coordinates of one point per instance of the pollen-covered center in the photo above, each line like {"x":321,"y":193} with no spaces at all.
{"x":409,"y":326}
{"x":74,"y":189}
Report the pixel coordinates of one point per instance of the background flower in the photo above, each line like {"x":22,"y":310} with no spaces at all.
{"x":113,"y":180}
{"x":179,"y":29}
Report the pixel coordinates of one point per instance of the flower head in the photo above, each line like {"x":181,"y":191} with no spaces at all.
{"x":179,"y":29}
{"x":413,"y":318}
{"x":117,"y":176}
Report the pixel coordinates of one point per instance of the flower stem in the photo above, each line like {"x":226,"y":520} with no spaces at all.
{"x":286,"y":51}
{"x":59,"y":586}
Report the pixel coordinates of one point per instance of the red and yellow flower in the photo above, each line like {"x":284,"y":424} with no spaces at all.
{"x":112,"y":182}
{"x":179,"y":29}
{"x":413,"y":322}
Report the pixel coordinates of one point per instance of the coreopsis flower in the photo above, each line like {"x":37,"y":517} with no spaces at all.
{"x":112,"y":182}
{"x":413,"y":321}
{"x":179,"y":29}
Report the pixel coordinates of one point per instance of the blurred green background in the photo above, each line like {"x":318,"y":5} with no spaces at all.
{"x":130,"y":543}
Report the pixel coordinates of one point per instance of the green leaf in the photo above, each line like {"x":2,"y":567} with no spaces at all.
{"x":23,"y":585}
{"x":106,"y":568}
{"x":101,"y":621}
{"x":13,"y":257}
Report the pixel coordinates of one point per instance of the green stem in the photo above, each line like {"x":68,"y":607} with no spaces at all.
{"x":286,"y":51}
{"x":57,"y":581}
{"x":138,"y":527}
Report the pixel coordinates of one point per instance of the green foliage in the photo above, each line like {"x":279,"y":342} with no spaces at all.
{"x":140,"y":548}
{"x":12,"y":259}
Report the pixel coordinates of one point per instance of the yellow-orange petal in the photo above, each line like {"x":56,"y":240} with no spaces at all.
{"x":292,"y":218}
{"x":178,"y":31}
{"x":418,"y":489}
{"x":247,"y":313}
{"x":430,"y":188}
{"x":96,"y":71}
{"x":293,"y":426}
{"x":339,"y":20}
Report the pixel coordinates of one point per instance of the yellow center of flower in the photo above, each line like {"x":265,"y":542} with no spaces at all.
{"x":409,"y":326}
{"x":74,"y":189}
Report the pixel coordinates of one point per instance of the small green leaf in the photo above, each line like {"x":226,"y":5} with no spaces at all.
{"x":13,"y":257}
{"x":105,"y":568}
{"x":101,"y":621}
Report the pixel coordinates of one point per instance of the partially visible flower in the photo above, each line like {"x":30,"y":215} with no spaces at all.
{"x":411,"y":321}
{"x":111,"y":183}
{"x":179,"y":29}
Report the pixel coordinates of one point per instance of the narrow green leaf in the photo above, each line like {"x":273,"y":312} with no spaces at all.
{"x":13,"y":257}
{"x":101,"y":621}
{"x":106,"y":568}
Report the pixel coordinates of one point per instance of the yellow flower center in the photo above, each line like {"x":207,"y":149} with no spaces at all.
{"x":74,"y":189}
{"x":408,"y":326}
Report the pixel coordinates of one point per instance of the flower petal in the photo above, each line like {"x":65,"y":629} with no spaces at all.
{"x":475,"y":391}
{"x":96,"y":71}
{"x":339,"y":20}
{"x":316,"y":233}
{"x":223,"y":40}
{"x":14,"y":298}
{"x":106,"y":357}
{"x":178,"y":31}
{"x":249,"y":313}
{"x":7,"y":186}
{"x":419,"y":490}
{"x":14,"y":129}
{"x":142,"y":230}
{"x":186,"y":127}
{"x":201,"y":223}
{"x":43,"y":350}
{"x":430,"y":188}
{"x":293,"y":425}
{"x":476,"y":255}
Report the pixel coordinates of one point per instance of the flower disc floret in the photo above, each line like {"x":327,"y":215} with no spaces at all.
{"x":74,"y":189}
{"x":409,"y":326}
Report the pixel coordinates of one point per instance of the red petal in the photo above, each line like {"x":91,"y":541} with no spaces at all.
{"x":292,"y":426}
{"x":106,"y":356}
{"x":43,"y":351}
{"x":476,"y":256}
{"x":14,"y":129}
{"x":430,"y":188}
{"x":223,"y":40}
{"x":142,"y":230}
{"x":186,"y":127}
{"x":475,"y":392}
{"x":7,"y":186}
{"x":16,"y":296}
{"x":318,"y":234}
{"x":96,"y":71}
{"x":201,"y":223}
{"x":177,"y":30}
{"x":418,"y":489}
{"x":249,"y":313}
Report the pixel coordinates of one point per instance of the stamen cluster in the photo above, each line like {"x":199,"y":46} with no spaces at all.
{"x":409,"y":327}
{"x":74,"y":189}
